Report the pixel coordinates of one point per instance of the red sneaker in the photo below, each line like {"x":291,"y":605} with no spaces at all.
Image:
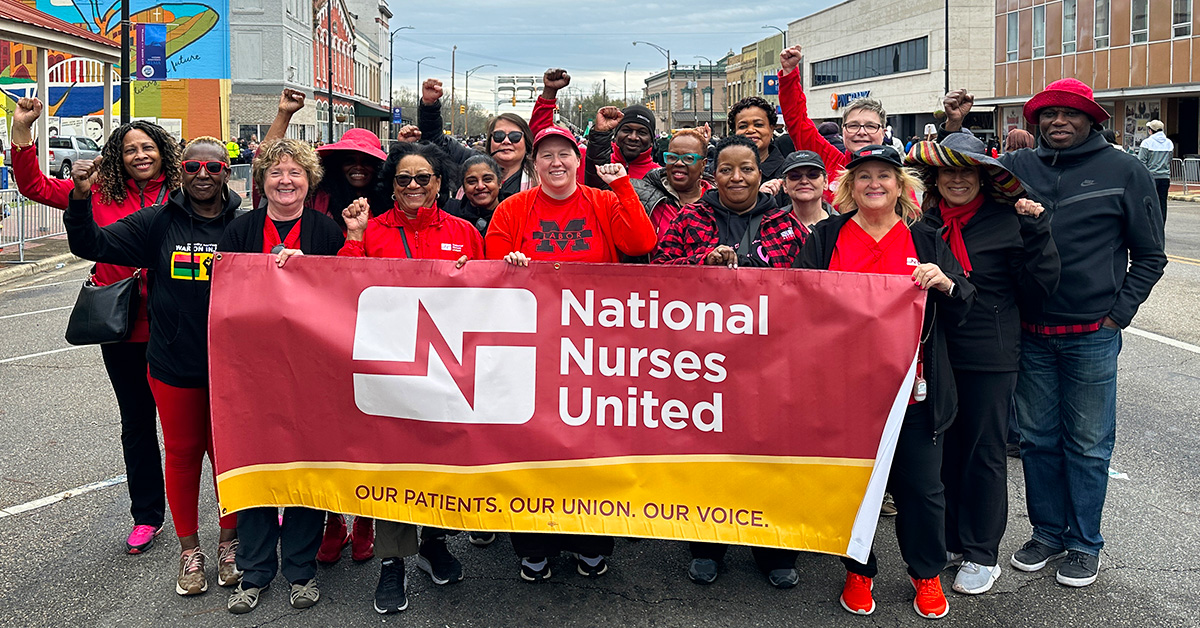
{"x":856,"y":594}
{"x":930,"y":602}
{"x":336,"y":537}
{"x":362,"y":541}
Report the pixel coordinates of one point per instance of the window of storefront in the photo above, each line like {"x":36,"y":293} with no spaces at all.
{"x":1039,"y":31}
{"x":1138,"y":21}
{"x":905,"y":56}
{"x":1014,"y":36}
{"x":1068,"y":33}
{"x":1101,"y":29}
{"x":1182,"y":12}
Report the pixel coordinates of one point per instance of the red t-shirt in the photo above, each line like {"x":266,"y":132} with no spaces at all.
{"x":857,"y":252}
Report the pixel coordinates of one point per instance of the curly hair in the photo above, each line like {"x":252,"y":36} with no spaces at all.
{"x":441,"y":165}
{"x":112,"y":173}
{"x":341,"y":193}
{"x":906,"y":208}
{"x":753,"y":101}
{"x":272,"y":152}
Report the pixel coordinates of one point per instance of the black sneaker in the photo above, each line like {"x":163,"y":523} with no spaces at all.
{"x":529,"y":574}
{"x":389,"y":593}
{"x":1034,"y":555}
{"x":591,"y":571}
{"x":703,"y":571}
{"x":1078,"y":569}
{"x":481,"y":539}
{"x":783,"y":578}
{"x":434,"y":559}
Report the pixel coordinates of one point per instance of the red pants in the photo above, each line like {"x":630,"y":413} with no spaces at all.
{"x":187,"y":435}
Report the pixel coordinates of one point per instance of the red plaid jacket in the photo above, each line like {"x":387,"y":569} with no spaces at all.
{"x":694,"y":233}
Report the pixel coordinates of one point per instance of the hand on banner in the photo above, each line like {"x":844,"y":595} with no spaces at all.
{"x":291,"y":101}
{"x":789,"y":59}
{"x":460,"y":262}
{"x":610,"y":172}
{"x":723,"y":255}
{"x":356,"y":216}
{"x":408,"y":133}
{"x":84,"y":173}
{"x":517,"y":258}
{"x":771,"y":187}
{"x":282,"y":257}
{"x":431,"y":91}
{"x":607,"y":119}
{"x":928,"y":276}
{"x":1028,"y":207}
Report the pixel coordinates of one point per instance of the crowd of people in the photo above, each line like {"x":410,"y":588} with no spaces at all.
{"x":1031,"y":261}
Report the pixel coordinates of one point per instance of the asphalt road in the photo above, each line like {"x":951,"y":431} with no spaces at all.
{"x":63,"y":564}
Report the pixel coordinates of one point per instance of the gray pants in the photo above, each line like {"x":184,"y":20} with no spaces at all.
{"x":298,"y":540}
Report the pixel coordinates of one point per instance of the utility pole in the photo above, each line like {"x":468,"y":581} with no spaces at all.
{"x":453,"y":103}
{"x":329,"y":64}
{"x":604,"y":90}
{"x":126,"y":100}
{"x":625,"y":84}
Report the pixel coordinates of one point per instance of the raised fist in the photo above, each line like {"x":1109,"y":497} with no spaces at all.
{"x":610,"y":172}
{"x":957,"y":104}
{"x":356,"y":215}
{"x":789,"y":59}
{"x":291,"y":101}
{"x":84,"y":173}
{"x":607,"y":119}
{"x":28,"y":110}
{"x":556,"y":79}
{"x":408,"y":133}
{"x":431,"y":91}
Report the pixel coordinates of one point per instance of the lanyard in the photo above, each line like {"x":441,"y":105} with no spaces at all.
{"x":271,"y":236}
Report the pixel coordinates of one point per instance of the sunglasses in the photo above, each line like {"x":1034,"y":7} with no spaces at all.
{"x":686,"y":159}
{"x":192,"y":166}
{"x":513,"y":136}
{"x":422,"y":180}
{"x":811,"y":174}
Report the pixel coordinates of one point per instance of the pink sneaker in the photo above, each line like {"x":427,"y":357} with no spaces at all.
{"x":141,"y":539}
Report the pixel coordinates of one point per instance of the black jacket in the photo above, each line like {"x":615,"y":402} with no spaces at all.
{"x":941,"y":311}
{"x":179,"y":263}
{"x":1014,"y":264}
{"x":468,"y":211}
{"x":319,"y":234}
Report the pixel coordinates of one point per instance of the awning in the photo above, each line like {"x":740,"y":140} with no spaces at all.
{"x":366,"y":110}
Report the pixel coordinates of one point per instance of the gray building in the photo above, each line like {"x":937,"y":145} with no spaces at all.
{"x":271,"y":43}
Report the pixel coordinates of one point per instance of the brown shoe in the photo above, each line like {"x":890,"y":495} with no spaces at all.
{"x":228,"y":575}
{"x":888,"y":509}
{"x":191,"y":573}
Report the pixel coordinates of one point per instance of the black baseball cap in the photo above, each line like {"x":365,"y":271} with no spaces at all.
{"x":802,"y":158}
{"x":877,"y":152}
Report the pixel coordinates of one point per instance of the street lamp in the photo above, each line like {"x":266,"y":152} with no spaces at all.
{"x":467,"y":98}
{"x":666,"y":53}
{"x":391,"y":67}
{"x":711,"y":95}
{"x":625,"y":84}
{"x":784,"y":33}
{"x":419,"y":74}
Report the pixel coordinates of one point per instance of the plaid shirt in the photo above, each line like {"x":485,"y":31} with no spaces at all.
{"x":694,"y":234}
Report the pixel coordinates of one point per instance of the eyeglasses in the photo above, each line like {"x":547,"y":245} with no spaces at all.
{"x":686,"y":159}
{"x":855,"y":127}
{"x":192,"y":166}
{"x":513,"y":136}
{"x":811,"y":174}
{"x":422,"y":180}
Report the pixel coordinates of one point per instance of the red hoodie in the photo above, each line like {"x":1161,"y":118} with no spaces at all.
{"x":56,"y":193}
{"x":433,"y":235}
{"x":543,"y":116}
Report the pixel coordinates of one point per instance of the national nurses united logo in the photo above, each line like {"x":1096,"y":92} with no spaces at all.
{"x":449,"y":355}
{"x":555,"y":238}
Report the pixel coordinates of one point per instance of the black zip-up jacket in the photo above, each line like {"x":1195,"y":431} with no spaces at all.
{"x":179,"y":265}
{"x":941,"y":311}
{"x":319,"y":234}
{"x":1014,"y":266}
{"x":1106,"y":224}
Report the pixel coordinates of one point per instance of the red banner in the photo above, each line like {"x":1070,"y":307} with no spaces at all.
{"x":747,"y":406}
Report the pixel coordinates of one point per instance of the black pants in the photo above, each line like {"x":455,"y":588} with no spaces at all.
{"x":126,"y":366}
{"x":536,"y":545}
{"x":1163,"y":186}
{"x":916,"y":485}
{"x":768,"y":559}
{"x":974,"y":465}
{"x":298,"y":540}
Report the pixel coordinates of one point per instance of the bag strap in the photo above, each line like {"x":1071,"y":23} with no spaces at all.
{"x":404,"y":239}
{"x":751,"y":233}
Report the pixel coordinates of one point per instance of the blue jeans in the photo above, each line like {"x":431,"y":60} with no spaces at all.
{"x":1066,"y":409}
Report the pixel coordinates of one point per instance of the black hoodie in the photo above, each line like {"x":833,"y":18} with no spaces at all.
{"x":732,"y":226}
{"x":179,"y":265}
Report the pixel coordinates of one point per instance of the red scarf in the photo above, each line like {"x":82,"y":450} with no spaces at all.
{"x":271,"y":236}
{"x":956,"y":218}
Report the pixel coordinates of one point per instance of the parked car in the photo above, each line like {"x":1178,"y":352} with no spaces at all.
{"x":67,"y":149}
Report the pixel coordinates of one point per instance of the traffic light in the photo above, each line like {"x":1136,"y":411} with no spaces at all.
{"x":514,"y":102}
{"x":652,"y":106}
{"x":462,"y":109}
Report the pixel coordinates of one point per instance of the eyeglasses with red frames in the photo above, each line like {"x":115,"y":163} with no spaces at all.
{"x":192,"y":166}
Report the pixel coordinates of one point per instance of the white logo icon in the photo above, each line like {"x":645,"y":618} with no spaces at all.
{"x":434,"y":372}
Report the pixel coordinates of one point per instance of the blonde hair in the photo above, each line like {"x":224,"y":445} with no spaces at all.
{"x":208,"y":139}
{"x":272,"y":152}
{"x":906,"y":208}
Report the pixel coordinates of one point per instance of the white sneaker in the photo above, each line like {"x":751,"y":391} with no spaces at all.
{"x":973,"y":579}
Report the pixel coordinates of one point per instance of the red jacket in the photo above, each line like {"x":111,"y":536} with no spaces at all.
{"x":433,"y":235}
{"x":804,"y":133}
{"x":40,"y":188}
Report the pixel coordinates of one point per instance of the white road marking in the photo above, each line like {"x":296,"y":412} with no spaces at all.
{"x":1178,"y":344}
{"x":53,"y":309}
{"x":40,"y":354}
{"x":41,"y":285}
{"x":58,"y":497}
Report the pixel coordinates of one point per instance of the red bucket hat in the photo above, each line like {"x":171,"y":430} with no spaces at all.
{"x":358,"y":140}
{"x":1066,"y":92}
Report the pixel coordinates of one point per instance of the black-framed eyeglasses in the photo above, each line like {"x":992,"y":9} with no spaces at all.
{"x":686,"y":159}
{"x":422,"y":180}
{"x":869,"y":127}
{"x":795,"y":175}
{"x":192,"y":166}
{"x":513,"y":136}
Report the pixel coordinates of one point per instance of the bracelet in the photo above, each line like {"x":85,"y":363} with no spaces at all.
{"x":19,"y":146}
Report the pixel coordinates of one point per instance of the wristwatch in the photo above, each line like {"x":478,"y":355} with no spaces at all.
{"x":950,"y":292}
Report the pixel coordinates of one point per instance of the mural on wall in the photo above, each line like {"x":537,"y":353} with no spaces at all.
{"x":1137,"y":114}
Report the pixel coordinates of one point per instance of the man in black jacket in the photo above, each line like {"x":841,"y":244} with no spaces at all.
{"x":1108,"y":228}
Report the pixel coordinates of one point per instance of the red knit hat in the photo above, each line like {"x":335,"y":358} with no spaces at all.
{"x":1066,"y":92}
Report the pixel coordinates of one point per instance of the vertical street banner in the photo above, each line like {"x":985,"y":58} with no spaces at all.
{"x":745,"y":406}
{"x":151,"y":52}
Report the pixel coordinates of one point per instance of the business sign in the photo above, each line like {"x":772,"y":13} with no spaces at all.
{"x":837,"y":101}
{"x":397,"y":118}
{"x":770,"y":85}
{"x":748,"y":406}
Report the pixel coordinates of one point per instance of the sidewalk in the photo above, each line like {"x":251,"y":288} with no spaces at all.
{"x":46,"y":253}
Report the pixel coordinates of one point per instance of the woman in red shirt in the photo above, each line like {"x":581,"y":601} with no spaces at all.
{"x":880,"y":231}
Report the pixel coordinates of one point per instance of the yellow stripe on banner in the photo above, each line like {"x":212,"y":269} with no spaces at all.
{"x":800,"y":503}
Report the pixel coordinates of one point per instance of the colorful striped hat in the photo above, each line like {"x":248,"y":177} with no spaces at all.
{"x":964,"y":149}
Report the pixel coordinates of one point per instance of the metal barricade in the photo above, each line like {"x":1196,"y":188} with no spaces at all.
{"x":240,"y":180}
{"x":1191,"y":172}
{"x":24,"y":221}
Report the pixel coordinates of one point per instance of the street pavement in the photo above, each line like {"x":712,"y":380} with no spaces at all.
{"x":63,"y":563}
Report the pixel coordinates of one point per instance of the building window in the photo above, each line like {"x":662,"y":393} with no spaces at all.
{"x":907,"y":56}
{"x":1138,"y":20}
{"x":1101,"y":30}
{"x":1014,"y":36}
{"x":1068,"y":34}
{"x":1182,"y":12}
{"x":1039,"y":31}
{"x":708,"y":100}
{"x":687,"y":98}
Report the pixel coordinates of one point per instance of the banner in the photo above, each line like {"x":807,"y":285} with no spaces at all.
{"x":745,"y":406}
{"x":151,"y":52}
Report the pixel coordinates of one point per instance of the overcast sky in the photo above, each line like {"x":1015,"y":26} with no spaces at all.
{"x":592,"y":40}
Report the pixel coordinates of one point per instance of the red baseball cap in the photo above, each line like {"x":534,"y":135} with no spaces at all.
{"x":555,"y":131}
